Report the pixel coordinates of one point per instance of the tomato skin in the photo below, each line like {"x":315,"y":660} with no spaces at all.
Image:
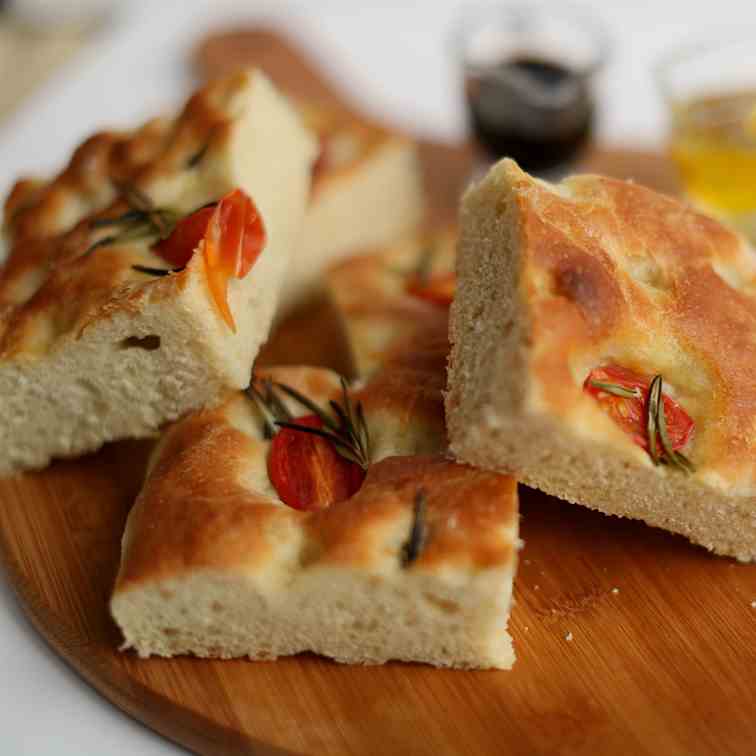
{"x":307,"y":472}
{"x":234,"y":235}
{"x":234,"y":239}
{"x":178,"y":248}
{"x":630,"y":412}
{"x":439,"y":290}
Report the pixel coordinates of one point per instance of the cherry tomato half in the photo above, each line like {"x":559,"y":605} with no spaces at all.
{"x":307,"y":471}
{"x":630,"y":412}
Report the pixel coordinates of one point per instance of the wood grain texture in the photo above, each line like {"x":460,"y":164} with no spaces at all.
{"x":629,"y":640}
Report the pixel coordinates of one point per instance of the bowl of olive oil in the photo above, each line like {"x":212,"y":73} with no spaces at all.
{"x":711,"y":93}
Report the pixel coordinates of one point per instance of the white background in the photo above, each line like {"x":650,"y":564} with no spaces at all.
{"x":394,"y":58}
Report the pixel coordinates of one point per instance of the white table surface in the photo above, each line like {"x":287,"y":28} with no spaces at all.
{"x":394,"y":56}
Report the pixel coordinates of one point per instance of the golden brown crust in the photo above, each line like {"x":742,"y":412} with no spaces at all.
{"x":466,"y":509}
{"x":33,"y":208}
{"x":410,"y":386}
{"x":207,"y":501}
{"x":51,"y":284}
{"x":383,"y":319}
{"x":555,"y":281}
{"x":616,"y":272}
{"x":99,"y":338}
{"x":49,"y":224}
{"x":193,"y":512}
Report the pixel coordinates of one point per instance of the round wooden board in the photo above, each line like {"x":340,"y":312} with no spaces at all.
{"x":629,"y":640}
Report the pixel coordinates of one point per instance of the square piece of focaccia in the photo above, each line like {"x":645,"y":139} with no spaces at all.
{"x":603,"y":345}
{"x":251,"y":539}
{"x":367,"y":191}
{"x":110,"y":323}
{"x":389,"y":296}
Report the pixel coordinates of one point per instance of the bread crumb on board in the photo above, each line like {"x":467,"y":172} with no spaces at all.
{"x":568,"y":635}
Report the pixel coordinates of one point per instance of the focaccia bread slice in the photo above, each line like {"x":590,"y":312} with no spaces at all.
{"x":93,"y":348}
{"x":417,"y":564}
{"x":367,"y":191}
{"x":388,"y":296}
{"x":582,"y":310}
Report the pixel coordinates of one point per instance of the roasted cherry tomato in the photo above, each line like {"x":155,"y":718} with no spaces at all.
{"x":178,"y":248}
{"x":438,"y":290}
{"x":234,"y":239}
{"x":630,"y":412}
{"x":307,"y":471}
{"x":233,"y":235}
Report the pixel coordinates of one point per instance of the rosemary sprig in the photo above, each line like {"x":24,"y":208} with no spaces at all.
{"x":268,"y":403}
{"x":671,"y":456}
{"x":616,"y":389}
{"x":100,"y":243}
{"x":198,"y":156}
{"x":652,"y":415}
{"x":412,"y":549}
{"x":656,"y":422}
{"x":134,"y":196}
{"x":141,"y":221}
{"x":128,"y":217}
{"x":156,"y":271}
{"x":352,"y":420}
{"x":346,"y":429}
{"x":308,"y":404}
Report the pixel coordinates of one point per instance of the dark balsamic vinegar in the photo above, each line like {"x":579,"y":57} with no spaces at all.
{"x":534,"y":110}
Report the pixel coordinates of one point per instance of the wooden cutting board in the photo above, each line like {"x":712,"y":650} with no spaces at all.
{"x":629,"y":640}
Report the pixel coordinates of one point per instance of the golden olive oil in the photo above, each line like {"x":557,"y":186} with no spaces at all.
{"x":714,"y":147}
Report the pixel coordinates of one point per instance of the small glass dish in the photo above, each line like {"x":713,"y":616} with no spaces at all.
{"x":709,"y":88}
{"x":528,"y":80}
